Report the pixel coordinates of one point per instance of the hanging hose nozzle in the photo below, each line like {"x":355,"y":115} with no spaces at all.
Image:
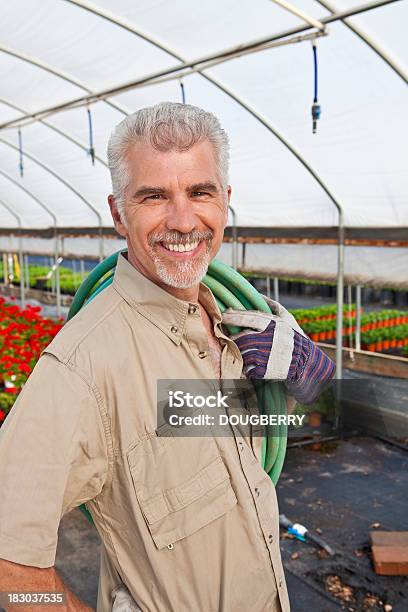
{"x":316,"y":110}
{"x":91,"y":150}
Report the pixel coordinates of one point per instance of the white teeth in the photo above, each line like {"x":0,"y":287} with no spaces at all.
{"x":181,"y":248}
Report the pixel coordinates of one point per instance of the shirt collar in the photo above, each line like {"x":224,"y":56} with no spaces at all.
{"x":164,"y":310}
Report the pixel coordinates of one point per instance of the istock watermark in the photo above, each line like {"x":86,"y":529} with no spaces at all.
{"x":256,"y":420}
{"x":221,"y":407}
{"x":181,"y":399}
{"x":213,"y":407}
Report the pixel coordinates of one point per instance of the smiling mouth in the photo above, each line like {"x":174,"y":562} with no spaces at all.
{"x":181,"y":250}
{"x":179,"y":247}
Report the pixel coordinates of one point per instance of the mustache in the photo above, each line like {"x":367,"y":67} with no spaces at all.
{"x":180,"y":237}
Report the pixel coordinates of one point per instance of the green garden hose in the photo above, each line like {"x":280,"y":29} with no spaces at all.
{"x":231,"y":290}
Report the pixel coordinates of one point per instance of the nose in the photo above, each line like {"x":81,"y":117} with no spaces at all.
{"x":180,"y":216}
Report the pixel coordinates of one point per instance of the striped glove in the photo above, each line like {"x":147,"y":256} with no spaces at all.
{"x":274,"y":347}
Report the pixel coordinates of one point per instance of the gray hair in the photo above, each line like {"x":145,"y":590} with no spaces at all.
{"x":166,"y":126}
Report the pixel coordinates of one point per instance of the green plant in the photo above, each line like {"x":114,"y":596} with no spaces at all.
{"x":325,"y":405}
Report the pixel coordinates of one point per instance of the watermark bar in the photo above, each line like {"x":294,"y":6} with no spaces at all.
{"x":211,"y":407}
{"x":221,"y":407}
{"x":31,"y":598}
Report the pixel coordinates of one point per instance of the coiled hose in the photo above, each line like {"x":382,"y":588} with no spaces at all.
{"x":231,"y":290}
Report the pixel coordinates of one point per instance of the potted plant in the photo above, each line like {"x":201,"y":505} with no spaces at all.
{"x":386,"y":340}
{"x":314,"y":332}
{"x":378,"y":340}
{"x":323,"y":408}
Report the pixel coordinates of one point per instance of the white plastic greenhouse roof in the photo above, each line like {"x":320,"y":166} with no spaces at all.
{"x":54,"y":52}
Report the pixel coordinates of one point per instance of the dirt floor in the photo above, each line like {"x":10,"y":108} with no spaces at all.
{"x":345,"y":489}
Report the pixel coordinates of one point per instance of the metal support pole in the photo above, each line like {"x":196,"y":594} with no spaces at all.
{"x":349,"y":326}
{"x":57,"y":277}
{"x":5,"y":268}
{"x":58,"y":290}
{"x":20,"y":249}
{"x":74,"y":272}
{"x":21,"y":264}
{"x":10,"y":270}
{"x":276,"y":289}
{"x":358,"y":317}
{"x":51,"y":263}
{"x":27,"y":272}
{"x":101,"y":255}
{"x":234,"y":238}
{"x":340,"y":291}
{"x":268,"y":286}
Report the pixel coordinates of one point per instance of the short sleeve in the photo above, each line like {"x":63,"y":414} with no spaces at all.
{"x":53,"y":457}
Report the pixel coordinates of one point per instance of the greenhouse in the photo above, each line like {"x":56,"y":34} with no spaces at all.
{"x":313,"y":97}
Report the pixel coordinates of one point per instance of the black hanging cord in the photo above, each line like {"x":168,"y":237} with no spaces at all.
{"x":316,"y":110}
{"x":91,"y":150}
{"x":183,"y":93}
{"x":20,"y":152}
{"x":315,"y":71}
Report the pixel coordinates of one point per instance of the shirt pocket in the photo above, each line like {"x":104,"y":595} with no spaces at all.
{"x":176,"y":512}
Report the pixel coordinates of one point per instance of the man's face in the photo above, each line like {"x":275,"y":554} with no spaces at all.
{"x":176,"y":212}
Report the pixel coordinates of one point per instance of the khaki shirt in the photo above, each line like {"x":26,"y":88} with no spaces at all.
{"x":187,"y":524}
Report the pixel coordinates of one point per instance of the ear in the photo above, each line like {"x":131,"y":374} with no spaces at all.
{"x":229,"y":191}
{"x":119,"y":227}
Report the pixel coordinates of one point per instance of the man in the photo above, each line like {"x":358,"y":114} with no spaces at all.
{"x":186,"y":523}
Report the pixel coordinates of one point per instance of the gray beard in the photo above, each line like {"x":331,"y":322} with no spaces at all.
{"x":186,"y":273}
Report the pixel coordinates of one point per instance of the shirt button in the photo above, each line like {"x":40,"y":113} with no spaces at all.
{"x":270,"y":538}
{"x":192,"y":309}
{"x":257,"y":492}
{"x":174,"y":329}
{"x":202,"y":354}
{"x":280,"y":582}
{"x":241,"y":446}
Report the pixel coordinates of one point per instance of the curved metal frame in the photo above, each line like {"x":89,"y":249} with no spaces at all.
{"x":42,"y":205}
{"x":20,"y":250}
{"x":57,"y":73}
{"x":300,"y":14}
{"x":55,"y":129}
{"x":68,"y":185}
{"x":151,"y":78}
{"x":13,"y":213}
{"x":368,"y":41}
{"x":32,"y":196}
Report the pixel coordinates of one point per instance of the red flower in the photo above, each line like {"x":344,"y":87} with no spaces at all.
{"x":24,"y":333}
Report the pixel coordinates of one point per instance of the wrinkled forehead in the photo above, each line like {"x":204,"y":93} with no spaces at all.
{"x":147,"y":165}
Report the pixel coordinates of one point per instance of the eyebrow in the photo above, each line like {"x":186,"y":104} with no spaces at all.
{"x":147,"y":190}
{"x":209,"y":186}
